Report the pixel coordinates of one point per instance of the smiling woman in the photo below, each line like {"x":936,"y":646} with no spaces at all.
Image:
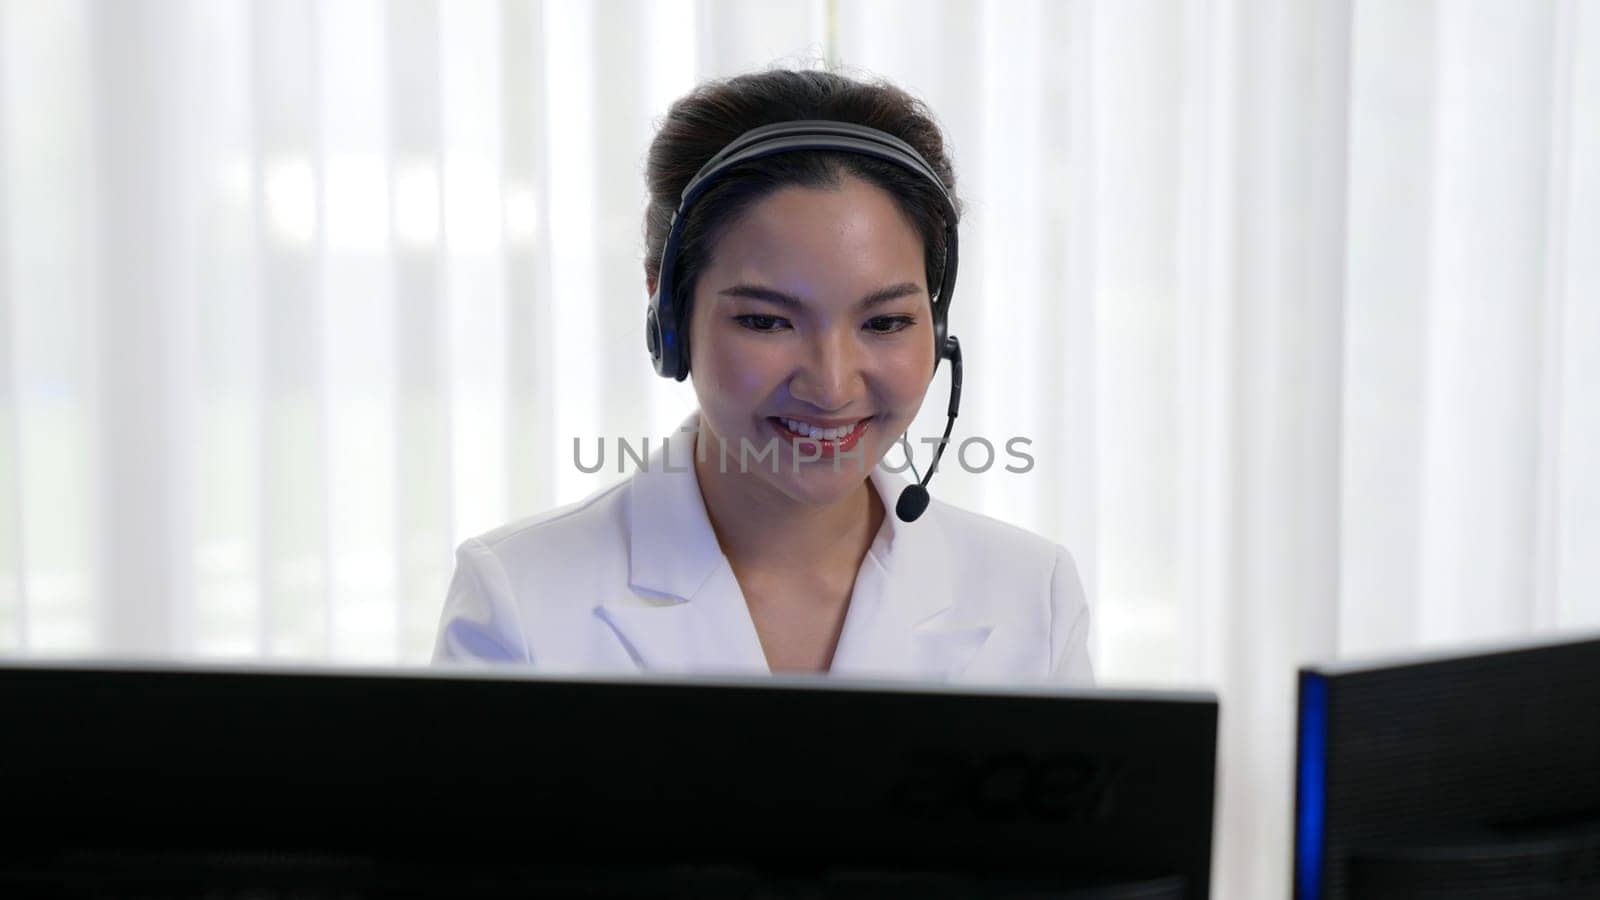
{"x":801,"y":248}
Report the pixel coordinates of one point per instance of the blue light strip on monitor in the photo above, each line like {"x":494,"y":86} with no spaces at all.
{"x":1312,"y":787}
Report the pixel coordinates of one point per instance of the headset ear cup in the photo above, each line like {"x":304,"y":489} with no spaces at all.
{"x":671,"y":348}
{"x":680,"y":368}
{"x":668,"y":346}
{"x":652,"y":336}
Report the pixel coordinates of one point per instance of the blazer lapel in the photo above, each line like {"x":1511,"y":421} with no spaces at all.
{"x":686,"y":611}
{"x":903,"y":618}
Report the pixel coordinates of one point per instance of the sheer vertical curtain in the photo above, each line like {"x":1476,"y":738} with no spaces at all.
{"x":1299,"y":304}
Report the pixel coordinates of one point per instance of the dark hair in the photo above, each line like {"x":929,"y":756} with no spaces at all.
{"x":706,"y":119}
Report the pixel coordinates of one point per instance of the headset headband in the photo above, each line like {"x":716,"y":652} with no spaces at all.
{"x":667,"y":316}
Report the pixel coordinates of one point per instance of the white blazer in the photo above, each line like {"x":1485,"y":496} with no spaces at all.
{"x":632,"y":578}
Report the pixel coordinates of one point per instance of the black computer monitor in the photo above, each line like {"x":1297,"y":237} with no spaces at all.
{"x":180,"y":782}
{"x":1465,"y":776}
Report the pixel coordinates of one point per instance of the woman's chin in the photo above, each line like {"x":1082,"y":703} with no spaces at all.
{"x":817,"y":484}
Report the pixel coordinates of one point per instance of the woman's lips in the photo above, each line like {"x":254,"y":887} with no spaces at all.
{"x":824,"y":447}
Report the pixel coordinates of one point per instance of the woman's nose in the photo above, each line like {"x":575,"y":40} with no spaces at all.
{"x":829,"y":378}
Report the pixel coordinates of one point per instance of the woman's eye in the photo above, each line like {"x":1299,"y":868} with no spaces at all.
{"x":760,"y":322}
{"x":888,"y":324}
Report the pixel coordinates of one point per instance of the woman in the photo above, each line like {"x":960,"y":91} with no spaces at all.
{"x":800,"y":255}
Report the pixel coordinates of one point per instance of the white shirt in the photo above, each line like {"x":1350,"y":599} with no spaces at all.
{"x":632,"y":578}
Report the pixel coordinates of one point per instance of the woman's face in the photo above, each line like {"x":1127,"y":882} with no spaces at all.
{"x":812,"y":314}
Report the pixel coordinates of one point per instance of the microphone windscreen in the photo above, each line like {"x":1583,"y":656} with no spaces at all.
{"x":913,"y":500}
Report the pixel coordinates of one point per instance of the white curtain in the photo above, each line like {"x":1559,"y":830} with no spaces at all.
{"x":1299,"y":304}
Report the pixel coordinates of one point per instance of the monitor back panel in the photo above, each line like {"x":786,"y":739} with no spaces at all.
{"x":403,"y":770}
{"x":1477,"y":776}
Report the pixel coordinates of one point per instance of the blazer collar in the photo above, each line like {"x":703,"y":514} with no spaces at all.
{"x":692,"y":613}
{"x":902,"y":619}
{"x":672,"y":547}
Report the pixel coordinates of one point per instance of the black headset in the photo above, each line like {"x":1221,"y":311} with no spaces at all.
{"x":667,"y":318}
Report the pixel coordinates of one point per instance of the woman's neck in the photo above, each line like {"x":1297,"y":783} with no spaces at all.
{"x":759,"y":527}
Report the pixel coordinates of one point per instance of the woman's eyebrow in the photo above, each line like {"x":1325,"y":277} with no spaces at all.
{"x":771,"y":295}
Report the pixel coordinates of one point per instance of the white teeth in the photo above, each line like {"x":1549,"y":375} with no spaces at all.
{"x":815,"y":433}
